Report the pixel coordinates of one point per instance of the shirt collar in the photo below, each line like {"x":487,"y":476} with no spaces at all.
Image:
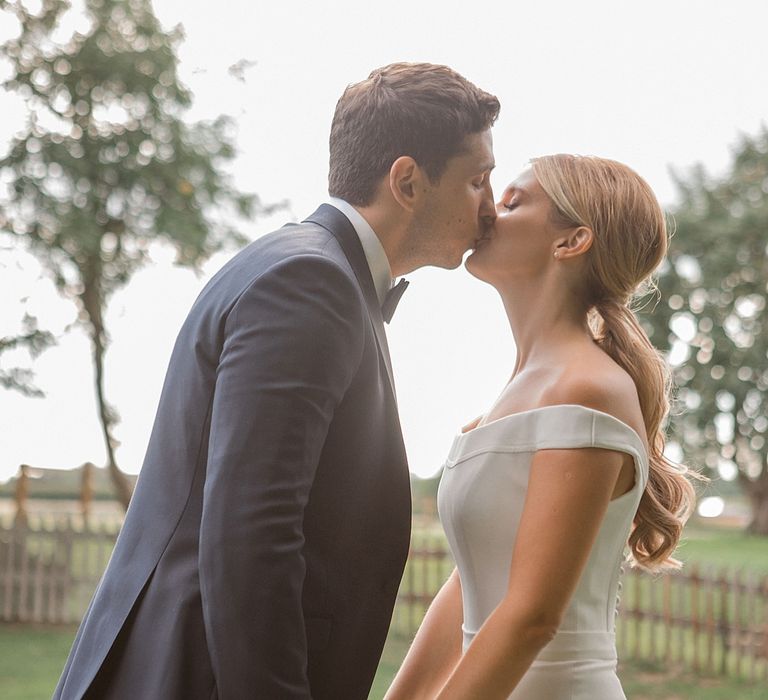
{"x":374,"y":251}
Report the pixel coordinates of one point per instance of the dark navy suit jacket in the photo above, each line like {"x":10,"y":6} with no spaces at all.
{"x":263,"y":548}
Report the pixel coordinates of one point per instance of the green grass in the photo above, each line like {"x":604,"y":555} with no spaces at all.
{"x":394,"y":653}
{"x":644,"y":681}
{"x":717,"y":547}
{"x":31,"y":659}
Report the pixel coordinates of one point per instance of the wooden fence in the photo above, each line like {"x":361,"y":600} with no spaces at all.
{"x":707,"y":621}
{"x":702,"y":620}
{"x":48,"y":572}
{"x":429,"y":564}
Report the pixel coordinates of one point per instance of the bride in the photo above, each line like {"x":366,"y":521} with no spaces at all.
{"x":540,"y":497}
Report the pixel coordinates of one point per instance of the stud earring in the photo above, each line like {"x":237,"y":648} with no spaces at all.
{"x":557,"y":254}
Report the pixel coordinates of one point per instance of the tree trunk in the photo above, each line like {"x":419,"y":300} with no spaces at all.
{"x":759,"y":524}
{"x":92,"y":303}
{"x":757,"y":492}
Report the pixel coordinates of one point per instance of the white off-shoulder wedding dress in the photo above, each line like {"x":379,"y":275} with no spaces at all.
{"x":480,"y":502}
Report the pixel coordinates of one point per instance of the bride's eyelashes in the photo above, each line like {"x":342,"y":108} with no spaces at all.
{"x":510,"y":206}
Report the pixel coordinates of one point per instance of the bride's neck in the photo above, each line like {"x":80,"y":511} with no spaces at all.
{"x":544,"y":326}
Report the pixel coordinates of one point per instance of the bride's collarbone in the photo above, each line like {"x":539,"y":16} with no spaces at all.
{"x":519,"y":396}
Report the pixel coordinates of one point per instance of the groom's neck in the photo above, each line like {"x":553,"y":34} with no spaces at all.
{"x":391,"y":229}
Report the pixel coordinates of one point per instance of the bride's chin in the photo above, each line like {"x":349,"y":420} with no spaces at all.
{"x":474,"y":266}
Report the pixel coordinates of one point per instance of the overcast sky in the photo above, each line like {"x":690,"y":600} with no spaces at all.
{"x":657,"y":84}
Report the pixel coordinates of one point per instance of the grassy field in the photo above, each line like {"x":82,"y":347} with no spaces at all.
{"x":717,"y":547}
{"x":31,"y":658}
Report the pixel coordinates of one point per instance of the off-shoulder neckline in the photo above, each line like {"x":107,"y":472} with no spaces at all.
{"x":539,"y":409}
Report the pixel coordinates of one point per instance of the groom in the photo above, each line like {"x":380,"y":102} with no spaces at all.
{"x":264,"y":545}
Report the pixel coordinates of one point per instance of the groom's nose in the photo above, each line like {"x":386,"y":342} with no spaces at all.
{"x":487,"y":212}
{"x":486,"y":223}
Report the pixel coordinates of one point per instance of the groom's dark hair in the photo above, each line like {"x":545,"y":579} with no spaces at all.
{"x":421,"y":110}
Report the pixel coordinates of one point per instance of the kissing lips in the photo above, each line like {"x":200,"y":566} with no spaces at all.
{"x":480,"y":241}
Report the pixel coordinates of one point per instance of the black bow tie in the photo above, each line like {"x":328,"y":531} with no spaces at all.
{"x":393,"y":299}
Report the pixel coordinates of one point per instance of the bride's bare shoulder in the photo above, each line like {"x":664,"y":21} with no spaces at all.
{"x":603,"y":385}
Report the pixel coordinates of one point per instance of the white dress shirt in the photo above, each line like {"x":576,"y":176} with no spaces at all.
{"x":375,"y":254}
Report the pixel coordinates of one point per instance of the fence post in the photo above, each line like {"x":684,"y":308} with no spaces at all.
{"x":10,"y":575}
{"x":722,"y":626}
{"x":667,"y":615}
{"x":21,"y":494}
{"x":23,"y":575}
{"x":696,"y":624}
{"x":764,"y":610}
{"x":751,"y":590}
{"x":65,"y":570}
{"x":37,"y":597}
{"x":709,"y":601}
{"x":738,"y":633}
{"x":86,"y":491}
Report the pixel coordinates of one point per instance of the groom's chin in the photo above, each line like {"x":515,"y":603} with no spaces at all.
{"x":454,"y":264}
{"x":447,"y":263}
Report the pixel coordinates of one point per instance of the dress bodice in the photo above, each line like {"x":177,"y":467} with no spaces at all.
{"x":480,"y":502}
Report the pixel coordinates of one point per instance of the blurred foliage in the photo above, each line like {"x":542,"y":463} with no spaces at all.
{"x":712,"y":319}
{"x":34,"y":341}
{"x":106,"y":165}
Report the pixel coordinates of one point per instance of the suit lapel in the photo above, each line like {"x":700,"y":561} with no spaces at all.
{"x":334,"y":221}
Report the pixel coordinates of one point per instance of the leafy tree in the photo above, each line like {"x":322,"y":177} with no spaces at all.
{"x":106,"y":165}
{"x":34,"y":341}
{"x":713,"y":320}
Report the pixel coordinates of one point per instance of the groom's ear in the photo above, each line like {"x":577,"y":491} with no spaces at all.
{"x":406,"y":182}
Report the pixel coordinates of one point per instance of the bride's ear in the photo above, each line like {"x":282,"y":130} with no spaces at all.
{"x":405,"y":177}
{"x":577,"y":242}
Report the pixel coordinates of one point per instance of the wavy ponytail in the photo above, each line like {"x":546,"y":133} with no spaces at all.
{"x":668,"y":498}
{"x":629,"y":243}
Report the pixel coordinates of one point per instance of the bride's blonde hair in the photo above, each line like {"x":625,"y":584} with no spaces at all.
{"x":630,"y":241}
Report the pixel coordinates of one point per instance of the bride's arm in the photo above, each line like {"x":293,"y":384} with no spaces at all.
{"x":568,"y":494}
{"x":436,"y":648}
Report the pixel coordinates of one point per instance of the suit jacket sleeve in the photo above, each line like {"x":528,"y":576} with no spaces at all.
{"x":293,"y":341}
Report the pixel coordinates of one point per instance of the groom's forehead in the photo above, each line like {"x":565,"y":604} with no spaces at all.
{"x":477,"y":153}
